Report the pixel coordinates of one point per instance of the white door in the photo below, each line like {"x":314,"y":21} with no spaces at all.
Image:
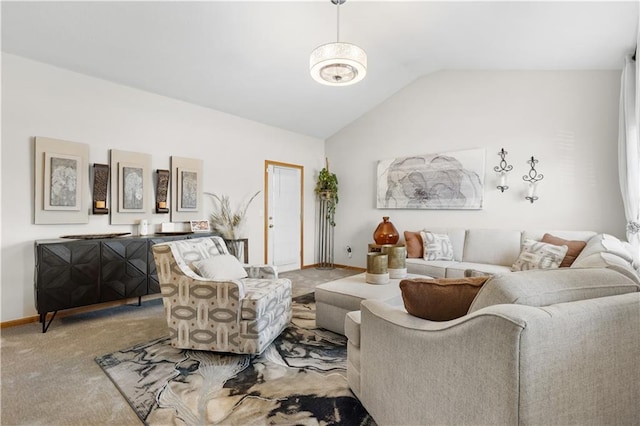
{"x":283,"y":246}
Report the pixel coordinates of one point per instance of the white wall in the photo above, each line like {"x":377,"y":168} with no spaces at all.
{"x":40,"y":100}
{"x":567,"y":120}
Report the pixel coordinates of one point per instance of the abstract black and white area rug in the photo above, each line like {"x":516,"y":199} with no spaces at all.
{"x":299,"y":379}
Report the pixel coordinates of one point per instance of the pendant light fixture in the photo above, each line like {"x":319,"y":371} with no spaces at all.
{"x":338,"y":64}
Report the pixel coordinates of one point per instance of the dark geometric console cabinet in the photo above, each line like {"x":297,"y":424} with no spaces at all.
{"x":73,"y":273}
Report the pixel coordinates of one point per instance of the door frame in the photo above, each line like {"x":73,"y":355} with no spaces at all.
{"x":268,"y":163}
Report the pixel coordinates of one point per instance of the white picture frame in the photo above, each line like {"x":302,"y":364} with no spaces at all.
{"x":62,"y":199}
{"x":131,"y":187}
{"x":185,"y":212}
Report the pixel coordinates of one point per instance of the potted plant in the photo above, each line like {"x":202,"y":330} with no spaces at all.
{"x":327,"y":189}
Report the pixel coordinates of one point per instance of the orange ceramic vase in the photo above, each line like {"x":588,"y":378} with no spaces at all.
{"x":386,"y":233}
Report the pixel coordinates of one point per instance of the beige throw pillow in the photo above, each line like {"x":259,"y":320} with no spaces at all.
{"x":221,"y":267}
{"x":539,"y":255}
{"x":436,"y":246}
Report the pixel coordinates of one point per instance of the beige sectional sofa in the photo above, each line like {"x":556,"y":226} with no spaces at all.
{"x":495,"y":250}
{"x":546,"y":347}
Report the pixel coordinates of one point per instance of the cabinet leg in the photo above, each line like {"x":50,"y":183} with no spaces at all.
{"x":43,"y":320}
{"x":139,"y":300}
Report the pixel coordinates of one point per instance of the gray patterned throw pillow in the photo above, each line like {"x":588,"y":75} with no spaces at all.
{"x":539,"y":255}
{"x":436,"y":246}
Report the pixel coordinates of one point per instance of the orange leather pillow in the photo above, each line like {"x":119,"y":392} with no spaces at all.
{"x":413,"y":241}
{"x":440,"y":299}
{"x":575,"y":247}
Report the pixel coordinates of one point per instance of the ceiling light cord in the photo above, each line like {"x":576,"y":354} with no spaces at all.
{"x":338,"y":63}
{"x":338,"y":23}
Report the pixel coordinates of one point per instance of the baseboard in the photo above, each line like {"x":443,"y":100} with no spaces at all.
{"x":75,"y":311}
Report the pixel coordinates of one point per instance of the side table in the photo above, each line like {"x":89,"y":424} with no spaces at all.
{"x":239,"y":248}
{"x":397,"y":258}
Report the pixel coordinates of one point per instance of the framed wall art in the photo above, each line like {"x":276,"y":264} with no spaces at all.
{"x":62,"y":186}
{"x":131,"y":187}
{"x":61,"y":182}
{"x":131,"y":196}
{"x":449,"y":180}
{"x":186,"y":189}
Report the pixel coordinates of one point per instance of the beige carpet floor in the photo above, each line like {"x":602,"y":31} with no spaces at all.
{"x":52,"y":378}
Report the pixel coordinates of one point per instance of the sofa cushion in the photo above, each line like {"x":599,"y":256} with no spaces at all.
{"x":440,"y":299}
{"x":436,"y":246}
{"x":432,"y":268}
{"x":574,"y":248}
{"x":413,"y":242}
{"x":539,"y":255}
{"x":540,"y":287}
{"x":352,"y":327}
{"x":221,"y":267}
{"x":608,"y":260}
{"x":457,"y":269}
{"x":492,"y":246}
{"x":609,"y":244}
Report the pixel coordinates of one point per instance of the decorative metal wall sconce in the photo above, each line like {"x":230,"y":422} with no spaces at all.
{"x":161,"y":191}
{"x":503,"y":168}
{"x":100,"y":180}
{"x":533,"y":178}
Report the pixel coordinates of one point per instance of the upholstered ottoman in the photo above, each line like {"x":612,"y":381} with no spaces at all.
{"x":336,"y":298}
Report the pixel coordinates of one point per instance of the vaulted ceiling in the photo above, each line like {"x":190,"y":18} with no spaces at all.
{"x":251,"y":59}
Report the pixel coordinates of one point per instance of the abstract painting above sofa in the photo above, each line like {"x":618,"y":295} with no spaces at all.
{"x":451,"y":180}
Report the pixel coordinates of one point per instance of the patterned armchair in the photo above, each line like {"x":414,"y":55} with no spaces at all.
{"x":240,"y":316}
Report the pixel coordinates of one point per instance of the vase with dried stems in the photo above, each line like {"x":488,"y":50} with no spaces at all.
{"x":228,"y":222}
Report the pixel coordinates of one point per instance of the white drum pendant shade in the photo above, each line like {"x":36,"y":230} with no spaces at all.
{"x":338,"y":64}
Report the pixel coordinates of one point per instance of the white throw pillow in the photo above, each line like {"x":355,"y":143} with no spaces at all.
{"x":221,"y":267}
{"x":436,"y":246}
{"x":539,"y":255}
